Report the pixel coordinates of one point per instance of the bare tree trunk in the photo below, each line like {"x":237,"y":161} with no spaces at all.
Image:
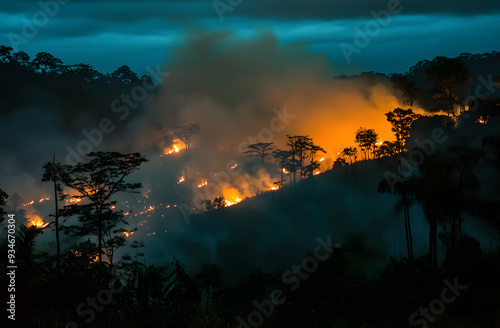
{"x":57,"y":210}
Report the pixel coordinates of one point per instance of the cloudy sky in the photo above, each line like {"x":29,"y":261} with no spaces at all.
{"x":107,"y":34}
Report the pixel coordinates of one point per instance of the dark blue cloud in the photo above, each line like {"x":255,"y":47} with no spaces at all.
{"x":108,"y":34}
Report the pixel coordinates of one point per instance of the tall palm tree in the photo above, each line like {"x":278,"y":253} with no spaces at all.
{"x":402,"y":190}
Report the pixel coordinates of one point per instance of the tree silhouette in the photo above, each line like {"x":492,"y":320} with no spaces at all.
{"x":5,"y":54}
{"x":125,"y":75}
{"x":53,"y":173}
{"x":366,"y":138}
{"x":401,"y":121}
{"x":448,"y":73}
{"x":210,"y":279}
{"x":185,"y":132}
{"x":402,"y":189}
{"x":45,"y":62}
{"x":304,"y":148}
{"x":216,"y":204}
{"x":408,"y":89}
{"x":261,"y":149}
{"x":283,"y":159}
{"x":22,"y":58}
{"x":97,"y":181}
{"x":3,"y":198}
{"x":386,"y":149}
{"x":351,"y":153}
{"x":85,"y":73}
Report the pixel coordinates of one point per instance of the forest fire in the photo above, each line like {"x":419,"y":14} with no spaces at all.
{"x":231,"y":203}
{"x":231,"y":196}
{"x":37,"y":222}
{"x":176,"y":148}
{"x":30,"y":203}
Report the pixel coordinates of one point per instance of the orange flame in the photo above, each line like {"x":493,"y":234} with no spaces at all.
{"x":231,"y":196}
{"x":37,"y":222}
{"x":172,"y":150}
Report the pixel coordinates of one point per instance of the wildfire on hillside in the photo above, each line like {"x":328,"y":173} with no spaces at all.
{"x":36,"y":221}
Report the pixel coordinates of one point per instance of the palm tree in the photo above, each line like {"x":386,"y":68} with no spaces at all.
{"x":401,"y":189}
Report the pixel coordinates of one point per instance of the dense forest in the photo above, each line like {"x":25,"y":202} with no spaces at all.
{"x":443,"y":161}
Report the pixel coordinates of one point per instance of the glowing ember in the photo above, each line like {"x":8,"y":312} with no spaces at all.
{"x":44,"y":199}
{"x":481,"y":120}
{"x":203,"y":183}
{"x":181,"y":180}
{"x":234,"y":166}
{"x":285,"y":171}
{"x":321,"y":160}
{"x":128,"y":234}
{"x":30,"y":203}
{"x":113,"y":207}
{"x":317,"y":172}
{"x":75,"y":200}
{"x":275,"y":188}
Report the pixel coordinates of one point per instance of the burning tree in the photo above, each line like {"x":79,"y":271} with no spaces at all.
{"x":97,"y":181}
{"x":185,"y":132}
{"x":261,"y":149}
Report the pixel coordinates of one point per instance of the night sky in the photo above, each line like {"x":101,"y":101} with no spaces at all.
{"x":108,"y":34}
